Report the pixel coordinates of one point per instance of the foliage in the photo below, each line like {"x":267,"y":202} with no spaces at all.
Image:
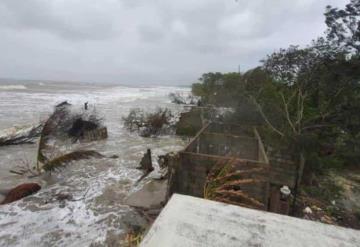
{"x":135,"y":119}
{"x":134,"y":238}
{"x":150,"y":124}
{"x":307,"y":98}
{"x":224,"y":183}
{"x":312,"y":102}
{"x":217,"y":88}
{"x":344,"y":26}
{"x":59,"y":162}
{"x":327,"y":189}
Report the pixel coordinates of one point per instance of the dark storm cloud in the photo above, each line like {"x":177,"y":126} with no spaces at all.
{"x":159,"y":41}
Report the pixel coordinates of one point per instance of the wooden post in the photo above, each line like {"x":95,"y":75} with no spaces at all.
{"x":299,"y":173}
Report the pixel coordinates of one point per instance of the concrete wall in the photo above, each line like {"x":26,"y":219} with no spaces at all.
{"x":192,"y":169}
{"x":190,"y":175}
{"x":229,"y":145}
{"x":283,"y":172}
{"x":187,"y":221}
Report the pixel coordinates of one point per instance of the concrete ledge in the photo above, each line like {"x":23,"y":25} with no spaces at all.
{"x":189,"y":221}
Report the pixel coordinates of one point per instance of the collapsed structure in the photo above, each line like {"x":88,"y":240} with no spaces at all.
{"x":258,"y":180}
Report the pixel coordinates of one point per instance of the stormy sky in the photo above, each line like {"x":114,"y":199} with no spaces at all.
{"x":148,"y":41}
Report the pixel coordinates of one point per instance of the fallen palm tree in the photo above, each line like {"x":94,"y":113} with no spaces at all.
{"x":63,"y":124}
{"x":59,"y":162}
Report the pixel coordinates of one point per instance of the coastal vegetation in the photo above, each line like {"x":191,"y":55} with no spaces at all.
{"x":306,"y":100}
{"x":303,"y":101}
{"x":149,"y":123}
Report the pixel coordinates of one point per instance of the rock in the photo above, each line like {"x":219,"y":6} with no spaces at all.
{"x":21,"y":191}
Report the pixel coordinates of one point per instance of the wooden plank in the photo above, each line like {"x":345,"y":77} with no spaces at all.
{"x":197,"y":135}
{"x":227,"y":135}
{"x":261,"y":146}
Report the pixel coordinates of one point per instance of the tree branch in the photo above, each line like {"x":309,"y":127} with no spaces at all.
{"x":287,"y":114}
{"x":264,"y":116}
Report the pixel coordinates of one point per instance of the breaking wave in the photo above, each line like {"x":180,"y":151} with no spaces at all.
{"x":12,"y":87}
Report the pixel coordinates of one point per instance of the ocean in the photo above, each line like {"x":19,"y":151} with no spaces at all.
{"x":101,"y":216}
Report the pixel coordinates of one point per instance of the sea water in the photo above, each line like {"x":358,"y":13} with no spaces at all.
{"x":99,"y":217}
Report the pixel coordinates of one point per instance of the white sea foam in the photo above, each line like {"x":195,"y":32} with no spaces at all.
{"x":13,"y":87}
{"x":39,"y":220}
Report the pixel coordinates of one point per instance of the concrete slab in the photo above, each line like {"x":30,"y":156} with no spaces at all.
{"x":153,"y":194}
{"x":189,"y":221}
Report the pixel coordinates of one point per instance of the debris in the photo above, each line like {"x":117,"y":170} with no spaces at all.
{"x":63,"y":124}
{"x":61,"y":161}
{"x":145,"y":165}
{"x":69,"y":197}
{"x":146,"y":162}
{"x":94,"y":135}
{"x":20,"y":135}
{"x":285,"y":191}
{"x":327,"y":219}
{"x":307,"y":210}
{"x":20,"y":192}
{"x":151,"y":195}
{"x":183,"y":99}
{"x":79,"y":126}
{"x":150,"y":124}
{"x":64,"y":196}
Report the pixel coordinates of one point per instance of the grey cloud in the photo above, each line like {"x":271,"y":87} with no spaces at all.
{"x":68,"y":19}
{"x":131,"y":41}
{"x":150,"y":34}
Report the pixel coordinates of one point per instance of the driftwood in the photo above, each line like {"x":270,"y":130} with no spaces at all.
{"x":16,"y":136}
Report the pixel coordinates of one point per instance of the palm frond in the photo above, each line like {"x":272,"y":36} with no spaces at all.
{"x":235,"y":174}
{"x":229,"y":183}
{"x":246,"y":198}
{"x":65,"y":159}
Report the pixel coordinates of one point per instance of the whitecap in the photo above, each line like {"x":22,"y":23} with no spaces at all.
{"x":12,"y":87}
